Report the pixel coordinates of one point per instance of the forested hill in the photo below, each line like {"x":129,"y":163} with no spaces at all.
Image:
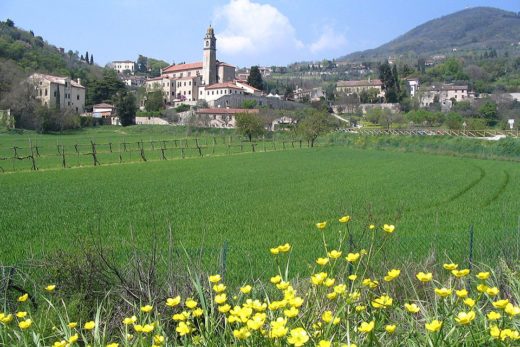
{"x":23,"y":52}
{"x":470,"y":29}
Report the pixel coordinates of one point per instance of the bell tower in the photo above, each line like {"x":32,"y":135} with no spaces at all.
{"x":209,"y":64}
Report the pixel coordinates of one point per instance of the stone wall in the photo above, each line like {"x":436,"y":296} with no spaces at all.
{"x":237,"y":101}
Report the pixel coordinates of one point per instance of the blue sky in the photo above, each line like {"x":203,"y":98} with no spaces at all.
{"x":249,"y":32}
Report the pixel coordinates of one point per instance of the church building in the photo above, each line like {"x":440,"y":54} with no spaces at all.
{"x":208,"y":80}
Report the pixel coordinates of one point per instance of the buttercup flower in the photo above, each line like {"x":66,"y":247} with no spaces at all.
{"x":501,"y":303}
{"x":492,"y":315}
{"x":322,"y":261}
{"x":352,"y":257}
{"x":443,"y":292}
{"x":298,"y":337}
{"x":215,"y":278}
{"x":89,"y":325}
{"x":324,"y":343}
{"x":492,"y":291}
{"x":23,"y":298}
{"x":483,"y":275}
{"x":183,"y":329}
{"x":450,"y":267}
{"x":276,"y":279}
{"x":366,"y":327}
{"x":469,"y":302}
{"x":464,"y":318}
{"x":344,"y":219}
{"x":461,"y":293}
{"x":318,"y":278}
{"x":390,"y":328}
{"x":172,"y":302}
{"x":73,"y":338}
{"x":424,"y":277}
{"x":434,"y":326}
{"x":388,"y":228}
{"x":221,"y":298}
{"x":321,"y":225}
{"x":26,"y":324}
{"x":72,"y":325}
{"x":460,"y":273}
{"x":334,"y":254}
{"x":412,"y":308}
{"x":371,"y":227}
{"x":383,"y":301}
{"x":512,"y":310}
{"x":146,"y":308}
{"x":21,"y":314}
{"x":130,"y":320}
{"x":392,"y":274}
{"x":284,"y":248}
{"x":219,"y":288}
{"x":50,"y":287}
{"x":190,"y":303}
{"x":224,"y":308}
{"x":246,"y":289}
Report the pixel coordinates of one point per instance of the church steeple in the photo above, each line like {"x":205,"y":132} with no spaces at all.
{"x":209,"y":64}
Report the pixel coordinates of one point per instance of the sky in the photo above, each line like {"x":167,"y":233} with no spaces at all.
{"x":249,"y":32}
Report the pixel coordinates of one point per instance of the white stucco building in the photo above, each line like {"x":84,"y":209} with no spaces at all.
{"x":61,"y":92}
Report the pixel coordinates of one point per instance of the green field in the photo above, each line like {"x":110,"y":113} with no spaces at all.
{"x":253,"y":201}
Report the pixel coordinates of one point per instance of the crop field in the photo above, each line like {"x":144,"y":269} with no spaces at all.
{"x":245,"y":203}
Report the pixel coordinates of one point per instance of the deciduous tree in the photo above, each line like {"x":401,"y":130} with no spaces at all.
{"x":249,"y":124}
{"x":126,"y":108}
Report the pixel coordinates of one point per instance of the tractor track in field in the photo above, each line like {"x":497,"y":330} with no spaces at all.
{"x":500,"y":190}
{"x":455,"y":196}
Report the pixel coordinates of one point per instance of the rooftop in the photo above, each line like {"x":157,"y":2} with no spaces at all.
{"x":362,"y":83}
{"x":57,"y":79}
{"x":182,"y":67}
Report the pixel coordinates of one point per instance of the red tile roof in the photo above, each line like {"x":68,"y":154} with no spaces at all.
{"x":226,"y":110}
{"x":224,"y":85}
{"x":182,"y":67}
{"x":103,"y":105}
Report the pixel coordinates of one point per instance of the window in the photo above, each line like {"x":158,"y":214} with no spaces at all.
{"x":185,"y":84}
{"x":77,"y":97}
{"x":45,"y":91}
{"x":66,"y":84}
{"x":40,"y":92}
{"x":77,"y":109}
{"x":54,"y":93}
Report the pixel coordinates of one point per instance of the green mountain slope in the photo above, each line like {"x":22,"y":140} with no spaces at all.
{"x":475,"y":28}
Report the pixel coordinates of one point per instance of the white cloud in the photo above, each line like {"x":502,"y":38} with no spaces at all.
{"x":254,"y":29}
{"x":330,"y":40}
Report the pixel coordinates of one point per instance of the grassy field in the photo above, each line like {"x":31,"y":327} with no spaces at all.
{"x":253,"y":201}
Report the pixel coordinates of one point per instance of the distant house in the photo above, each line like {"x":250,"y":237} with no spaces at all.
{"x":123,"y":65}
{"x":222,"y":117}
{"x":60,"y":92}
{"x":351,"y":87}
{"x":314,"y":94}
{"x":444,"y":94}
{"x":134,"y":81}
{"x":413,"y":85}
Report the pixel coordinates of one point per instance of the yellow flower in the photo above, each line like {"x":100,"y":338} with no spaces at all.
{"x":352,"y":277}
{"x":318,"y":278}
{"x":388,"y":228}
{"x":412,"y":308}
{"x":147,"y":328}
{"x":214,"y":278}
{"x":325,"y":343}
{"x":390,"y":328}
{"x":172,"y":302}
{"x":366,"y":327}
{"x":424,"y":277}
{"x":246,"y":289}
{"x":322,"y":261}
{"x":327,"y":316}
{"x":221,"y":298}
{"x":113,"y":344}
{"x":283,"y":285}
{"x":483,"y":275}
{"x":130,"y":320}
{"x":190,"y":303}
{"x":344,"y":219}
{"x":197,"y":312}
{"x":360,"y":308}
{"x":181,"y":316}
{"x":460,"y":273}
{"x":332,"y":295}
{"x":276,"y":279}
{"x":298,"y":337}
{"x":367,"y":282}
{"x":501,"y":303}
{"x":224,"y":308}
{"x":89,"y":325}
{"x":219,"y":288}
{"x":392,"y":274}
{"x":334,"y":254}
{"x":292,"y":312}
{"x":512,"y":310}
{"x":494,"y":331}
{"x":492,"y":291}
{"x":50,"y":287}
{"x":383,"y":301}
{"x":72,"y":325}
{"x":25,"y":324}
{"x":321,"y":225}
{"x":492,"y":315}
{"x":329,"y":282}
{"x":284,"y":248}
{"x":6,"y":319}
{"x":450,"y":267}
{"x":62,"y":343}
{"x":340,"y":289}
{"x":183,"y":329}
{"x":278,"y":328}
{"x":21,"y":314}
{"x":371,"y":227}
{"x":274,"y":251}
{"x":464,"y":318}
{"x":443,"y":292}
{"x":146,"y":308}
{"x":352,"y":257}
{"x":23,"y":298}
{"x":434,"y":325}
{"x":469,"y":302}
{"x":73,"y":338}
{"x":461,"y":293}
{"x":482,"y":288}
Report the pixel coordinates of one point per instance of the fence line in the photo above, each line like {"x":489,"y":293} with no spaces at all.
{"x":71,"y":155}
{"x":432,"y":132}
